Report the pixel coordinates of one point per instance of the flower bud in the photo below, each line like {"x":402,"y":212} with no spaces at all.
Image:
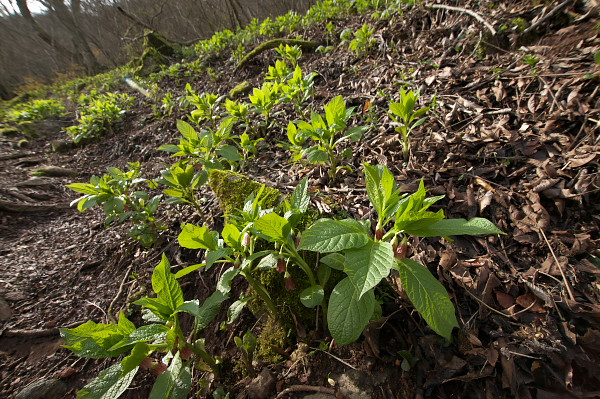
{"x":400,"y":251}
{"x":246,"y":240}
{"x":158,"y":368}
{"x":289,"y":283}
{"x":237,"y":264}
{"x":185,"y":352}
{"x":146,"y":363}
{"x":280,"y":265}
{"x":379,"y":234}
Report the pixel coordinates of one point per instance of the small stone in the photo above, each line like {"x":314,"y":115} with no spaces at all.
{"x":5,"y":310}
{"x":261,"y":386}
{"x":50,"y":388}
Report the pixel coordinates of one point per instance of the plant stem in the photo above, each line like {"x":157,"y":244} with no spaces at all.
{"x":262,"y":292}
{"x":303,"y":265}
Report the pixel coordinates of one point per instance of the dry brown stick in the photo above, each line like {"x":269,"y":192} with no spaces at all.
{"x":38,"y":333}
{"x":562,"y":272}
{"x":464,"y":10}
{"x":109,"y":315}
{"x":546,"y":17}
{"x":306,"y":388}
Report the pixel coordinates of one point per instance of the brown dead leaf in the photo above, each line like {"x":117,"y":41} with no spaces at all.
{"x":504,"y":300}
{"x":529,"y":300}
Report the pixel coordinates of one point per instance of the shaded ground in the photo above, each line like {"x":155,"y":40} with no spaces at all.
{"x":516,"y":145}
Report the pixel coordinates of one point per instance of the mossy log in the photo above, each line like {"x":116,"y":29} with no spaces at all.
{"x":304,"y":45}
{"x":7,"y":206}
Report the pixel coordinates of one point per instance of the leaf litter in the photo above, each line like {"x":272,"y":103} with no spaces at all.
{"x":515,"y":145}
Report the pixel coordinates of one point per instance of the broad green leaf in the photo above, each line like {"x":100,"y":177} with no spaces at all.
{"x":197,"y":237}
{"x":335,"y":261}
{"x":83,"y":188}
{"x":164,"y":283}
{"x":455,"y":227}
{"x":428,"y":296}
{"x":140,"y":351}
{"x":187,"y":270}
{"x":232,"y":236}
{"x":174,"y":383}
{"x":312,"y":296}
{"x":316,"y":155}
{"x":147,"y":333}
{"x":368,"y":265}
{"x":187,"y":130}
{"x":268,"y":262}
{"x":235,"y":310}
{"x":335,"y":110}
{"x":347,"y":316}
{"x":109,"y":384}
{"x":323,"y":274}
{"x":229,"y":152}
{"x":159,"y":309}
{"x":125,"y":326}
{"x":333,"y":236}
{"x":224,"y":283}
{"x":207,"y":312}
{"x":273,"y":226}
{"x":375,"y":191}
{"x":92,"y":340}
{"x":216,"y":255}
{"x":300,"y":197}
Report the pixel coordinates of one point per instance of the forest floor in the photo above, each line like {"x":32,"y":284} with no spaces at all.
{"x":512,"y":142}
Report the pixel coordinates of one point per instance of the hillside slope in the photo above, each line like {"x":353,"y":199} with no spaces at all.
{"x":511,"y":136}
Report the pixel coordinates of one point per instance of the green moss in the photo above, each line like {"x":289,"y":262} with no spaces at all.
{"x":23,"y":143}
{"x":519,"y":24}
{"x":9,"y":132}
{"x":240,"y":90}
{"x":151,"y":61}
{"x":232,"y":189}
{"x":273,"y":335}
{"x":161,"y":44}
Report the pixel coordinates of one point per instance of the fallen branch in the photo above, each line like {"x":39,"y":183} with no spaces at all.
{"x":304,"y":45}
{"x":8,"y":206}
{"x":464,"y":10}
{"x":305,"y":388}
{"x":546,"y":17}
{"x":46,"y":332}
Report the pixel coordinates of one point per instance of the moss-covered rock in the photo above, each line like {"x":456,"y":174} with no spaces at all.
{"x":9,"y":132}
{"x":273,"y":336}
{"x":157,"y":49}
{"x":232,"y":189}
{"x":240,"y":90}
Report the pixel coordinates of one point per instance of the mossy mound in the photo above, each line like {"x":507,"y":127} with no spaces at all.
{"x":232,"y":189}
{"x":240,"y":90}
{"x":157,"y":51}
{"x":9,"y":132}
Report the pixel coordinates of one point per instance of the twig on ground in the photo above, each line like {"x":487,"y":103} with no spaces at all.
{"x":306,"y":388}
{"x":546,"y":17}
{"x":464,"y":10}
{"x":109,"y":315}
{"x":562,"y":272}
{"x":38,"y":333}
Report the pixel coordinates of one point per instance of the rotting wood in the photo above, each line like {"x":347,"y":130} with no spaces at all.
{"x":8,"y":206}
{"x":46,"y":332}
{"x":305,"y":45}
{"x":469,"y":12}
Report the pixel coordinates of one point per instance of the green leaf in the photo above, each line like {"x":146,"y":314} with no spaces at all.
{"x":428,"y":296}
{"x":216,"y":255}
{"x":316,"y":155}
{"x":230,"y":153}
{"x":83,"y":188}
{"x":224,"y":283}
{"x":455,"y":227}
{"x":93,"y":340}
{"x":232,"y":236}
{"x":187,"y":270}
{"x":300,"y":198}
{"x":162,"y":311}
{"x":207,"y":312}
{"x":109,"y":384}
{"x":335,"y":261}
{"x":140,"y":351}
{"x":367,"y":266}
{"x":273,"y":226}
{"x":347,"y":316}
{"x":235,"y":310}
{"x":268,"y":262}
{"x":312,"y":296}
{"x":164,"y":283}
{"x":147,"y":333}
{"x":187,"y":130}
{"x":197,"y":237}
{"x":174,"y":383}
{"x":333,"y":236}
